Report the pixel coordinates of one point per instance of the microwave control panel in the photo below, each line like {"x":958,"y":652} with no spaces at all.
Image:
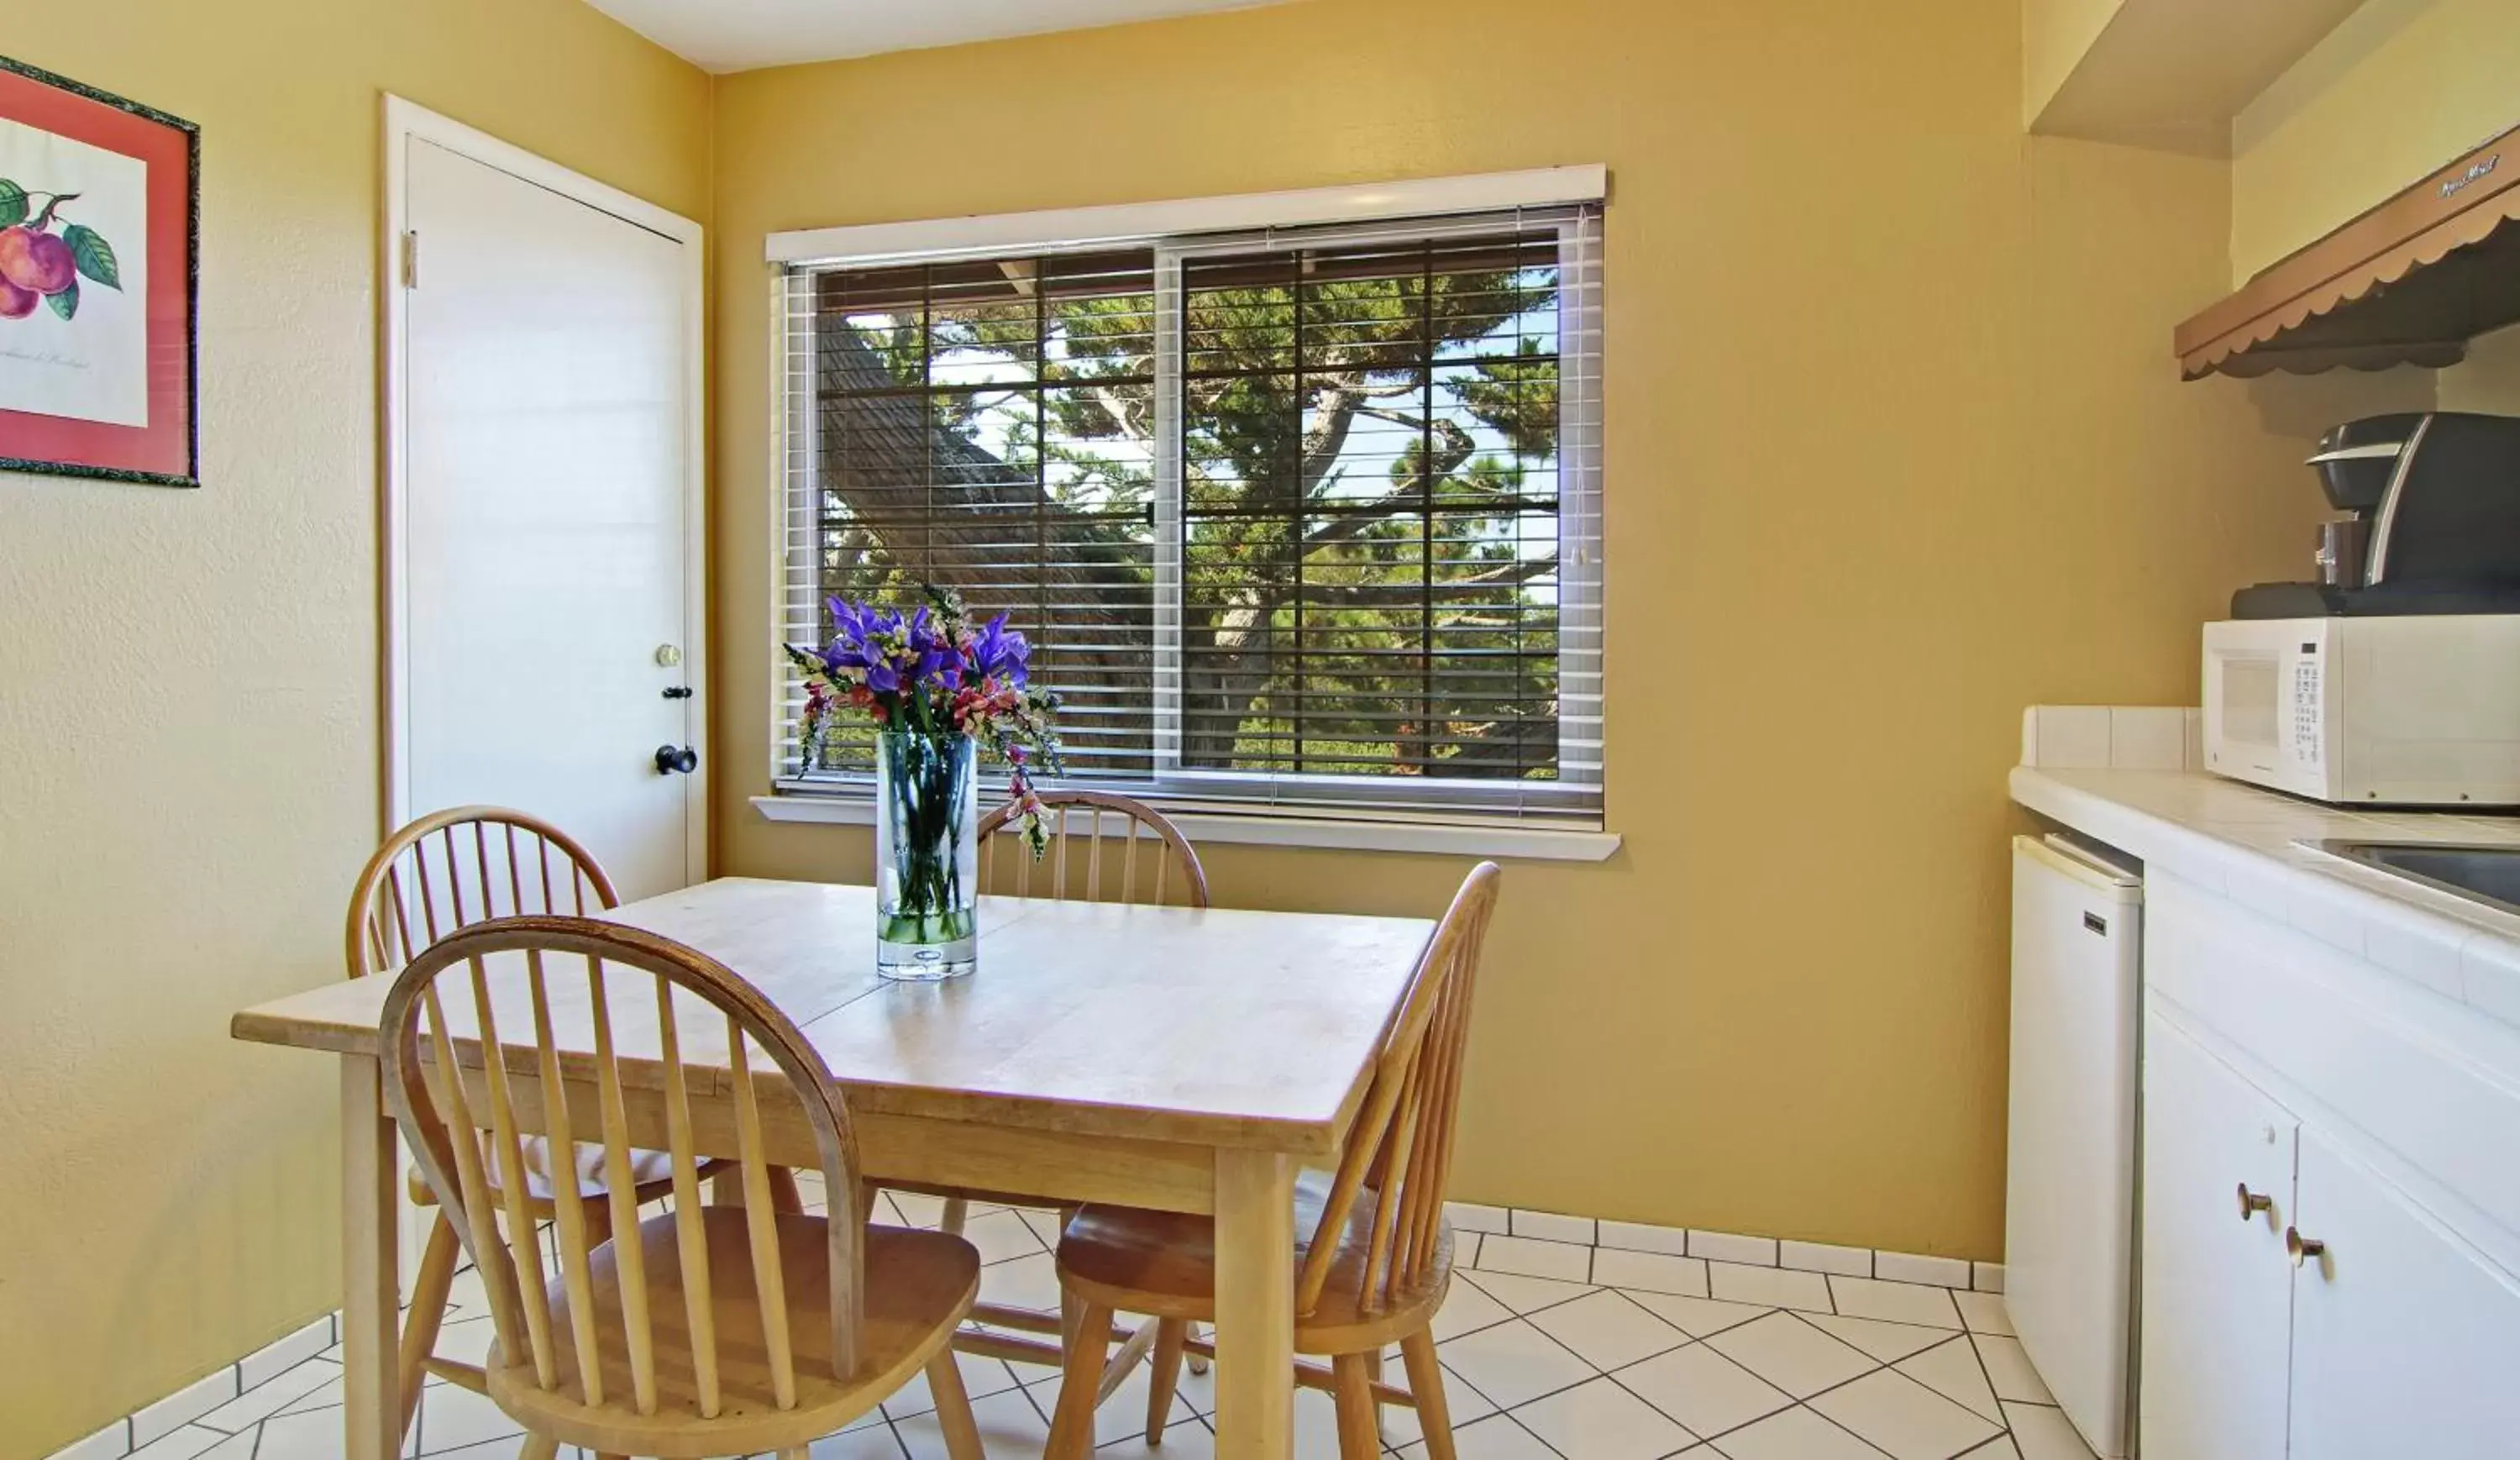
{"x":2302,"y":707}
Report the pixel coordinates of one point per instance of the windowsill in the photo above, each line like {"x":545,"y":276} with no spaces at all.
{"x":1522,"y":844}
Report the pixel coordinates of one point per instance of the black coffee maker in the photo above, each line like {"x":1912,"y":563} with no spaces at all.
{"x":2432,"y":525}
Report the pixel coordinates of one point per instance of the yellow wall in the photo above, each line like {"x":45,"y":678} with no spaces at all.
{"x":1895,"y":448}
{"x":2055,"y":35}
{"x":2489,"y":379}
{"x":188,"y":683}
{"x":2398,"y":90}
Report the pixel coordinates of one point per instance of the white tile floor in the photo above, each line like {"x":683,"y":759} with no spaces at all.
{"x":1552,"y":1350}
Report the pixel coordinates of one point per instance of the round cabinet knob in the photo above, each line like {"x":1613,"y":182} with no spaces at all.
{"x":2304,"y":1249}
{"x":2251,"y":1203}
{"x":677,"y":760}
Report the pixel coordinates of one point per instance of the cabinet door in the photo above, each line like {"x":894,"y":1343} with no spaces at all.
{"x":2217,"y":1314}
{"x":2404,"y":1336}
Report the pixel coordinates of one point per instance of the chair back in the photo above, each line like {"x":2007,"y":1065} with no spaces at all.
{"x":1401,"y":1148}
{"x":454,"y":868}
{"x":1078,"y":865}
{"x":472,"y":1040}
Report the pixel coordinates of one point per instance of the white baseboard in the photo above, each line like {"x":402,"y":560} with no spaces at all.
{"x":162,"y":1417}
{"x":1576,"y":1233}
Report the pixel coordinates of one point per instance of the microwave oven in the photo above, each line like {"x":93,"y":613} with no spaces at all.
{"x":2416,"y":710}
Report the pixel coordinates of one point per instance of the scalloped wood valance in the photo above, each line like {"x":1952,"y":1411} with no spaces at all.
{"x":2409,"y":283}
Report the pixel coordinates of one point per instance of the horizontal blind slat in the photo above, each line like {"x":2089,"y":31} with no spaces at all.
{"x":1388,"y":520}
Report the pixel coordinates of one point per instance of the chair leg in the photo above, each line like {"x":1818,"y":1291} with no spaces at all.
{"x":958,"y":1214}
{"x":1089,"y":1347}
{"x":1426,"y":1387}
{"x":1353,"y":1389}
{"x":598,"y":1221}
{"x":428,"y":1289}
{"x":1071,"y":1318}
{"x":539,"y":1448}
{"x":1169,"y":1338}
{"x":954,"y":1407}
{"x":1199,"y":1361}
{"x":783,"y":1196}
{"x":1374,"y":1372}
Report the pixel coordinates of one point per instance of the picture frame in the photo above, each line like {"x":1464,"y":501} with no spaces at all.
{"x":100,"y":284}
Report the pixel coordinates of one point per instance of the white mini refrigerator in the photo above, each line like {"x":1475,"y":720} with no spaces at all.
{"x":2070,"y":1185}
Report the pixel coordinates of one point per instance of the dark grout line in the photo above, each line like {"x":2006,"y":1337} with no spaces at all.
{"x":1988,"y":1375}
{"x":1851,"y":1435}
{"x":1535,"y":1436}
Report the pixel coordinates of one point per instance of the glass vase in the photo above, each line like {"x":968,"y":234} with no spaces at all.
{"x":927,"y":856}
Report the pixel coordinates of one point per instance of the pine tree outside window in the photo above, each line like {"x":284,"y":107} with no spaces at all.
{"x":1302,"y":522}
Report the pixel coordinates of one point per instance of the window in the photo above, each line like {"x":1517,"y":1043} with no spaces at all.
{"x":1296,"y":520}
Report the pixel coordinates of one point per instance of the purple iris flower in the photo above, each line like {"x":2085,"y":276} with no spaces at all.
{"x":882,"y":678}
{"x":1000,"y":652}
{"x":853,"y":621}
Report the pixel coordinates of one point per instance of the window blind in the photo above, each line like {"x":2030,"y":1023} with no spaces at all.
{"x":1301,"y":519}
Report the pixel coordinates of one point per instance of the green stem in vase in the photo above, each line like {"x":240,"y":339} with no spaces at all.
{"x":929,"y":788}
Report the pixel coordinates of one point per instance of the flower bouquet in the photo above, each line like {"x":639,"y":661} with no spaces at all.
{"x":938,"y":689}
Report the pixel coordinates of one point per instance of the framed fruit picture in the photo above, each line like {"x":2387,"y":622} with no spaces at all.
{"x":100,"y":209}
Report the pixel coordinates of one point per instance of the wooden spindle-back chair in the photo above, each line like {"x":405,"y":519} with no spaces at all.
{"x":1102,"y":848}
{"x":451,"y":869}
{"x":1375,"y":1256}
{"x":441,"y":874}
{"x":711,"y":1330}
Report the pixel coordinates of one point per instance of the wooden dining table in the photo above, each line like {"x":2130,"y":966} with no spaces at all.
{"x":1185,"y":1060}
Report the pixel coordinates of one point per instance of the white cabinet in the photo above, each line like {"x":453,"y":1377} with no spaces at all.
{"x":2296,"y":1302}
{"x":2405,"y":1339}
{"x":2330,"y":1047}
{"x":2217,"y":1314}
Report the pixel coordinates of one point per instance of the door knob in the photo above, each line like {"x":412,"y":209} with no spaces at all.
{"x":2251,"y":1203}
{"x":2304,"y":1249}
{"x":673,"y":760}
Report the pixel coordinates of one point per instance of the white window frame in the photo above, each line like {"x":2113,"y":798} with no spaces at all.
{"x":1228,"y":805}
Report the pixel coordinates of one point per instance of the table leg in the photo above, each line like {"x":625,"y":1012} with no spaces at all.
{"x":370,"y":1295}
{"x":1255,"y":1306}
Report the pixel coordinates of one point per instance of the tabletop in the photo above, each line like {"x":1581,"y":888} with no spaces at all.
{"x":1208,"y":1025}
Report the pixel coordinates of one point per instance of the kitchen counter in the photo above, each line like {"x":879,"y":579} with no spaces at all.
{"x":2238,"y":842}
{"x":2338,"y":1047}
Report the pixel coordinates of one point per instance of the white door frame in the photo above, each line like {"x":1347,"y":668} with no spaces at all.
{"x":404,"y":123}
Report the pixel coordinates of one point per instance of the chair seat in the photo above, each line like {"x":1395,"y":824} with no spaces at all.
{"x":652,"y":1171}
{"x":918,"y":1285}
{"x":1164,"y":1263}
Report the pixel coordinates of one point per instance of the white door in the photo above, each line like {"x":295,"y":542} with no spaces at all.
{"x":548,"y":643}
{"x":2404,"y":1336}
{"x":2217,"y":1286}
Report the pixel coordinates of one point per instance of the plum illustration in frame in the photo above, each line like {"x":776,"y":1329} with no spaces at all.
{"x":99,"y":283}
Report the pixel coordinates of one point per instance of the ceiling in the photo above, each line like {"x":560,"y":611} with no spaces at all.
{"x":734,"y":35}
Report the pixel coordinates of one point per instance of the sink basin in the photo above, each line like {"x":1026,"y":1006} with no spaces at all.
{"x":2489,"y":874}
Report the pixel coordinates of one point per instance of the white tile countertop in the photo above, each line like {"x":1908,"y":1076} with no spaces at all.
{"x":2242,"y":843}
